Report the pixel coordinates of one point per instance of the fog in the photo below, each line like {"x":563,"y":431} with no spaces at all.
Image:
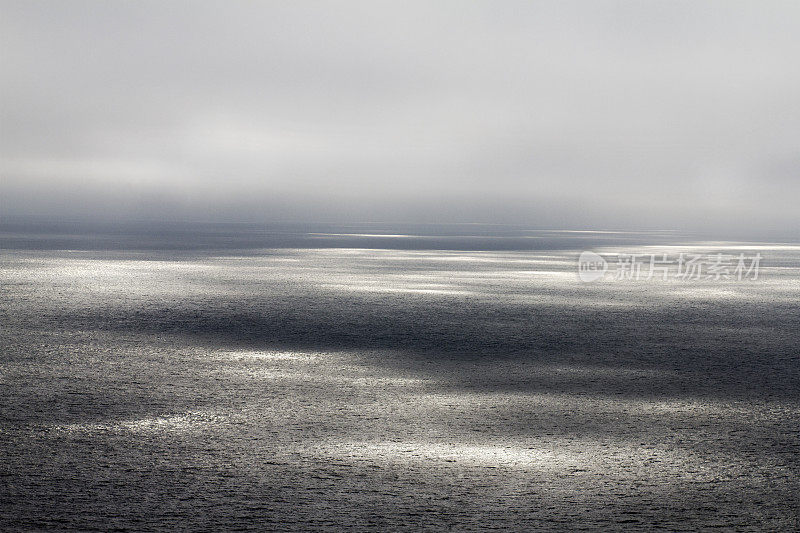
{"x":555,"y":114}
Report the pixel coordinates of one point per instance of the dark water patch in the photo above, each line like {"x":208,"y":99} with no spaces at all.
{"x":223,"y":238}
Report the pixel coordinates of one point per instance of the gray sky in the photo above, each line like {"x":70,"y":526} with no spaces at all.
{"x":558,"y":114}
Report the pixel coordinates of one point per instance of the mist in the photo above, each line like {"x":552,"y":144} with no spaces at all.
{"x":399,"y":266}
{"x":669,"y":115}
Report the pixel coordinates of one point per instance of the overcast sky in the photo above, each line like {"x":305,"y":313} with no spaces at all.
{"x":557,"y":114}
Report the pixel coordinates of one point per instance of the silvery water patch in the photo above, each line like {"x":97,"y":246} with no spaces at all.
{"x":683,"y":266}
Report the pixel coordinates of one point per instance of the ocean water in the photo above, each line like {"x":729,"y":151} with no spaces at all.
{"x":323,"y":380}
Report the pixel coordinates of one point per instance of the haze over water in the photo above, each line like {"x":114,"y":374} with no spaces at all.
{"x":387,"y":265}
{"x":399,"y":377}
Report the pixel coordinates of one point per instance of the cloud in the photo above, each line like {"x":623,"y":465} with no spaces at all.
{"x":599,"y":113}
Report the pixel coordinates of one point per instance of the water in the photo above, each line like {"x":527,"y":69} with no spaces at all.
{"x":399,"y":384}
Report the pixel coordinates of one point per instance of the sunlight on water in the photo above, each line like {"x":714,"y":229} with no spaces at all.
{"x":276,"y":356}
{"x":157,"y":425}
{"x":473,"y":455}
{"x":312,"y":379}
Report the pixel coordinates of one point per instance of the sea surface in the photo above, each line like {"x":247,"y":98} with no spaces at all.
{"x":460,"y":378}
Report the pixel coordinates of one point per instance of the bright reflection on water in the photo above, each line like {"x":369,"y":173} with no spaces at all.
{"x":322,"y":389}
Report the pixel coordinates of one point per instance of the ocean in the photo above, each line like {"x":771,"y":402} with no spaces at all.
{"x":394,"y":378}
